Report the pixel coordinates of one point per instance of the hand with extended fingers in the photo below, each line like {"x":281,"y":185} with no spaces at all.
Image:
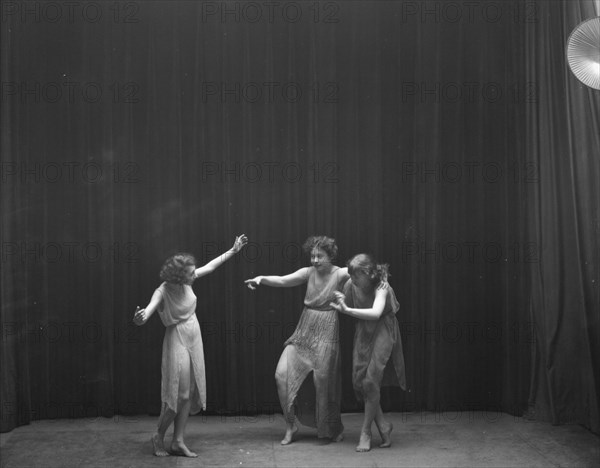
{"x":240,"y":241}
{"x":254,"y":282}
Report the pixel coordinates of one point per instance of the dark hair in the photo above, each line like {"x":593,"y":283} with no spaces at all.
{"x":366,"y":263}
{"x":173,"y":270}
{"x":326,"y":244}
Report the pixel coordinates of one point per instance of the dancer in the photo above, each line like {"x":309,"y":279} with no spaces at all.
{"x":314,"y":345}
{"x":183,"y":386}
{"x":376,"y":340}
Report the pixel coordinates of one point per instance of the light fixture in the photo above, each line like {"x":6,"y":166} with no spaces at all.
{"x":583,"y":52}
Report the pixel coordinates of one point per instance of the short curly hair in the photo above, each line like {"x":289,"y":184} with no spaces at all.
{"x":324,"y":243}
{"x":366,"y":263}
{"x":173,"y":270}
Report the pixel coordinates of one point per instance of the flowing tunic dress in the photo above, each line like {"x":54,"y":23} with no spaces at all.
{"x":177,"y":311}
{"x":316,"y":348}
{"x":377,"y":358}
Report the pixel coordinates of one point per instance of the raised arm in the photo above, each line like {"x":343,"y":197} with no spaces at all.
{"x":141,"y":316}
{"x":294,"y":279}
{"x":211,"y":266}
{"x":374,"y":313}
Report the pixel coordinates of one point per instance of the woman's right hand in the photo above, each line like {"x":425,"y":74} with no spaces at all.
{"x":254,"y":282}
{"x":339,"y":304}
{"x":139,"y":317}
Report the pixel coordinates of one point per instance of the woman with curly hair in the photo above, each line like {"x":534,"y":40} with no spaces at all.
{"x":314,"y":345}
{"x":183,"y":385}
{"x":377,"y":341}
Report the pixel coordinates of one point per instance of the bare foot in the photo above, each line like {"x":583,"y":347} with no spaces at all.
{"x":180,"y":449}
{"x":338,"y":438}
{"x":386,"y":436}
{"x":158,"y":447}
{"x":289,"y":435}
{"x":364,"y":444}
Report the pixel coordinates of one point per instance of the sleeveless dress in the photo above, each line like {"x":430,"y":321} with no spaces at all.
{"x":377,"y":356}
{"x":177,"y":312}
{"x":317,"y":349}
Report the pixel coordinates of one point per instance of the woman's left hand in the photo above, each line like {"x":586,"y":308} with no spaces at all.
{"x":240,"y":241}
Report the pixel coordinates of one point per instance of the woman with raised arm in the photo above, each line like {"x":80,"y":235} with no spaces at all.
{"x":183,"y":385}
{"x":377,"y":340}
{"x":314,"y":345}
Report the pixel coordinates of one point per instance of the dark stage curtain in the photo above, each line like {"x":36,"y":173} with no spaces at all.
{"x":564,"y":142}
{"x":399,"y":128}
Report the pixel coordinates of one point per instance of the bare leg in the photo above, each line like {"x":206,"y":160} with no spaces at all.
{"x":164,"y":421}
{"x":371,"y":393}
{"x":281,"y":377}
{"x":178,"y":446}
{"x":364,"y":444}
{"x":385,"y":428}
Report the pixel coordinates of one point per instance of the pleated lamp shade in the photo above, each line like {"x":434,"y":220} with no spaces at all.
{"x":583,"y":52}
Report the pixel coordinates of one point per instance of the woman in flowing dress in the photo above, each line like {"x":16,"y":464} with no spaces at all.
{"x":377,"y":341}
{"x":314,"y":345}
{"x":183,"y":384}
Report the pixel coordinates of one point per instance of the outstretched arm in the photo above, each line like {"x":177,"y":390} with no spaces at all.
{"x":294,"y":279}
{"x":211,"y":266}
{"x":374,"y":313}
{"x":141,"y":316}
